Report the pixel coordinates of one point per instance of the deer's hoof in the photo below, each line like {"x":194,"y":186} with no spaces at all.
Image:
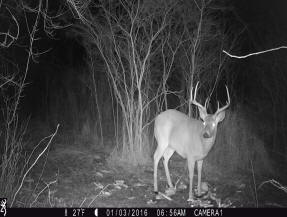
{"x":204,"y":187}
{"x":170,"y":191}
{"x":190,"y":199}
{"x":158,"y":196}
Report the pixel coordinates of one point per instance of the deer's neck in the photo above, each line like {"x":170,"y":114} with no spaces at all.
{"x":208,"y":142}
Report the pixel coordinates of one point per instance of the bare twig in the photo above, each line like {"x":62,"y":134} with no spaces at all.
{"x":47,"y":186}
{"x":99,"y":193}
{"x":9,"y":39}
{"x":33,"y":164}
{"x":252,"y":54}
{"x":165,"y":196}
{"x":274,"y":183}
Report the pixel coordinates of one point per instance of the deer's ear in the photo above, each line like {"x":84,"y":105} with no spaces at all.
{"x":220,"y":116}
{"x":202,"y":113}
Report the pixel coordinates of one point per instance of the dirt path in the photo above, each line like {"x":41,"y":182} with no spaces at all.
{"x":80,"y":177}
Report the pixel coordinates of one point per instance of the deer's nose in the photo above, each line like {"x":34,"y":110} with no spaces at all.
{"x":206,"y":135}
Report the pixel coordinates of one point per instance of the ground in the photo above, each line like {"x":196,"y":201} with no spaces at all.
{"x":79,"y":176}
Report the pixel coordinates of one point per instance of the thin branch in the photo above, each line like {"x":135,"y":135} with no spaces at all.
{"x":6,"y":43}
{"x":252,"y":54}
{"x":35,"y":161}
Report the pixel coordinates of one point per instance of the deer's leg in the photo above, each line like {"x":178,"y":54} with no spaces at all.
{"x":167,"y":154}
{"x":156,"y":157}
{"x":190,"y":162}
{"x":199,"y":169}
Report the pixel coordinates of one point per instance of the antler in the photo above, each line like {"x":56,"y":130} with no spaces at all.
{"x":193,"y":99}
{"x":227,"y":103}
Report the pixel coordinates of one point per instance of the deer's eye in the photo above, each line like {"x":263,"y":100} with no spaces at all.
{"x":213,"y":124}
{"x":204,"y":124}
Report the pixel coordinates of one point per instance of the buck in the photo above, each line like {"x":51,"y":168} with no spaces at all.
{"x":192,"y":139}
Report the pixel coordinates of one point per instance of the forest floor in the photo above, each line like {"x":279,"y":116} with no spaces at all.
{"x":79,"y":176}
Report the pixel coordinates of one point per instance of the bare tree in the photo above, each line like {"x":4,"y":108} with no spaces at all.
{"x":14,"y":166}
{"x":127,"y":34}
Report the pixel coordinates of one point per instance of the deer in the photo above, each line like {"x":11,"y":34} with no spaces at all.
{"x":191,"y":138}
